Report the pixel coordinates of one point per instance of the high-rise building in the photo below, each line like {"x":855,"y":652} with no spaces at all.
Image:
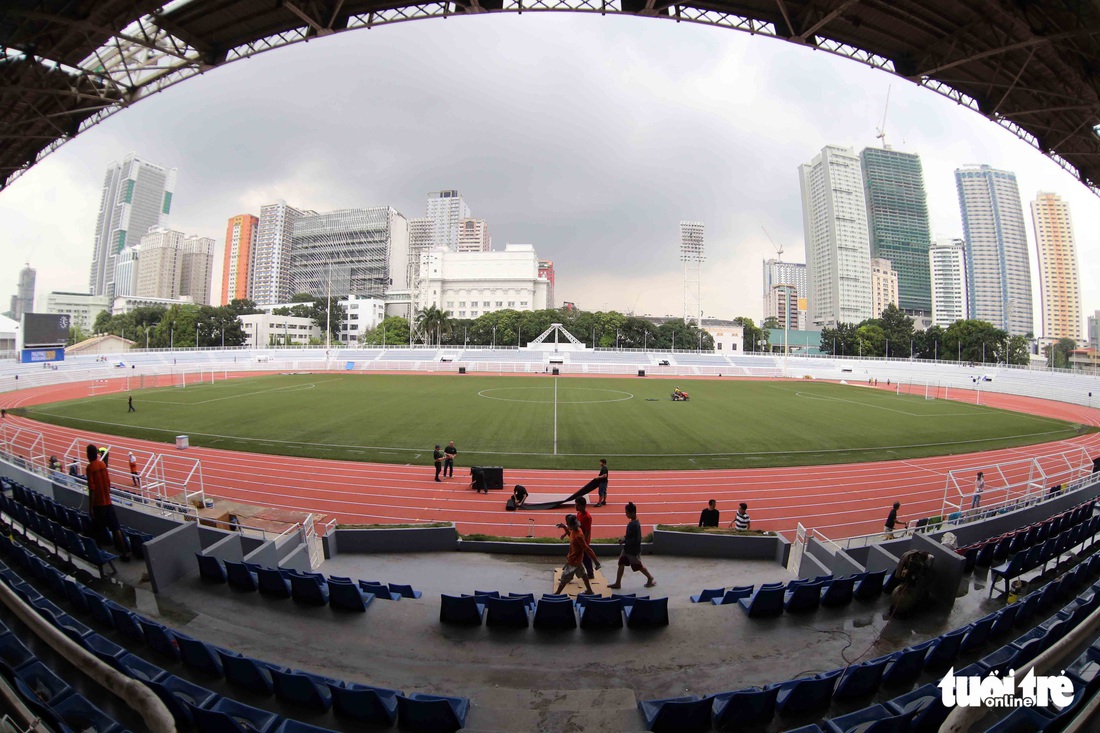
{"x":947,"y":264}
{"x":838,"y":252}
{"x":137,"y":196}
{"x":239,"y":234}
{"x":446,"y":209}
{"x":692,"y":254}
{"x":473,"y":236}
{"x":23,"y":300}
{"x":546,"y":272}
{"x":997,"y":269}
{"x":1094,"y":330}
{"x":884,"y":285}
{"x":269,"y":276}
{"x":174,"y":265}
{"x":784,"y":285}
{"x":897,"y":222}
{"x":1059,"y":282}
{"x":362,"y":252}
{"x":469,"y":285}
{"x":82,"y":308}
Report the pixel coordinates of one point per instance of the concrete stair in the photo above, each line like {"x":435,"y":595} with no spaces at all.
{"x":499,"y":710}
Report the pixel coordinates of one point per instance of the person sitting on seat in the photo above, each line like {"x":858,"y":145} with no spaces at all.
{"x":519,"y":495}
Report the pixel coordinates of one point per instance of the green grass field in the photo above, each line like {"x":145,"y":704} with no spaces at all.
{"x":547,"y":422}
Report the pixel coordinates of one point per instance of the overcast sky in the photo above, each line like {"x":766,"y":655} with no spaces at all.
{"x":589,"y":137}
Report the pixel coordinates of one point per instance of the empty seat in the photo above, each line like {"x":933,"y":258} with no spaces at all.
{"x":223,"y":717}
{"x":431,"y":713}
{"x":707,"y":595}
{"x":602,"y":613}
{"x":363,"y":703}
{"x":839,"y":592}
{"x":272,"y":583}
{"x":199,"y":656}
{"x":126,"y":622}
{"x":804,"y":597}
{"x":380,"y":590}
{"x":861,"y":680}
{"x":308,"y":590}
{"x":210,"y":568}
{"x":95,"y":555}
{"x":46,"y":686}
{"x":462,"y":610}
{"x":925,"y":707}
{"x":160,"y":639}
{"x":246,"y":672}
{"x":806,"y":694}
{"x":506,"y":612}
{"x":1003,"y":621}
{"x":870,"y":586}
{"x":944,"y":649}
{"x":978,"y":633}
{"x":875,"y":718}
{"x":740,"y":709}
{"x":79,"y":714}
{"x":98,"y":608}
{"x":553,"y":613}
{"x":348,"y":597}
{"x":299,"y":688}
{"x":405,"y":591}
{"x":733,"y":595}
{"x":906,"y":665}
{"x":179,"y":695}
{"x":137,"y":668}
{"x":240,"y":577}
{"x":688,"y":714}
{"x":764,"y":602}
{"x":647,"y":613}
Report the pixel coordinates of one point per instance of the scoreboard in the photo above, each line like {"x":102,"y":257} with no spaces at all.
{"x":45,"y":329}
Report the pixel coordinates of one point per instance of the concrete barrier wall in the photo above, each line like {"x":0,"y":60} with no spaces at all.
{"x":841,"y":563}
{"x":880,"y":559}
{"x":227,"y":548}
{"x":698,"y":544}
{"x":544,"y":549}
{"x":297,"y":559}
{"x":171,"y":556}
{"x":266,"y":555}
{"x":401,"y":539}
{"x":810,"y":567}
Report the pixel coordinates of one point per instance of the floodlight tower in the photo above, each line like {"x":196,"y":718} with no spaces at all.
{"x":691,"y":254}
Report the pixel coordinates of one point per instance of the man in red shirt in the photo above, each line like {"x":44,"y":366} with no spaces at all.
{"x":99,"y":499}
{"x":584,"y":519}
{"x":578,"y":548}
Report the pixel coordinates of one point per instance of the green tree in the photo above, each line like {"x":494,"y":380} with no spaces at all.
{"x":76,"y":335}
{"x":433,"y":321}
{"x":771,"y":322}
{"x":392,"y":331}
{"x":870,"y":339}
{"x":898,"y":331}
{"x":1057,"y":353}
{"x":928,"y":344}
{"x":752,"y":336}
{"x":102,"y":322}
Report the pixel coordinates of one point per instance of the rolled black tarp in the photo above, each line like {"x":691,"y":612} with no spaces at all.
{"x":588,"y":488}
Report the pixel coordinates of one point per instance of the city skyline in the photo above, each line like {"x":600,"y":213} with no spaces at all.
{"x":598,"y":186}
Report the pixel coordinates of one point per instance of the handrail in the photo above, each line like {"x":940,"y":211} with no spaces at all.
{"x":140,"y":698}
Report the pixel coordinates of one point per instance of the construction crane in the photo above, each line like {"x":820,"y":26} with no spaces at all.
{"x":778,"y":247}
{"x":882,"y":128}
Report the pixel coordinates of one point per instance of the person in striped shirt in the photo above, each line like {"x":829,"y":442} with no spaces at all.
{"x":741,"y":519}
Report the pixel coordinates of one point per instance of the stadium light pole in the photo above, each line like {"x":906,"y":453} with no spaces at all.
{"x":196,"y":335}
{"x":494,"y":337}
{"x":172,"y":336}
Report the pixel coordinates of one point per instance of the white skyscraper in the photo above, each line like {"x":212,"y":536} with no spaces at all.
{"x":838,"y":251}
{"x":473,"y":236}
{"x":780,"y":279}
{"x":997,"y":269}
{"x":361,"y":252}
{"x":1059,"y":283}
{"x":692,"y":254}
{"x":269,"y":270}
{"x":446,"y":209}
{"x":137,"y":196}
{"x":884,"y":285}
{"x":947,"y":262}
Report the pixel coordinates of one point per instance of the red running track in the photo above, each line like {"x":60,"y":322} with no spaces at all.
{"x":840,"y":500}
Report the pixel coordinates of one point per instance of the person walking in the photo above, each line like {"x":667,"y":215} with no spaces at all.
{"x":449,"y":454}
{"x":130,"y":404}
{"x":584,"y":519}
{"x":105,"y":455}
{"x":602,"y":488}
{"x":578,"y":549}
{"x":741,"y":520}
{"x":134,"y":469}
{"x":709,"y":517}
{"x":979,"y":487}
{"x":99,"y":500}
{"x":632,"y":550}
{"x":892,"y":520}
{"x":438,"y":458}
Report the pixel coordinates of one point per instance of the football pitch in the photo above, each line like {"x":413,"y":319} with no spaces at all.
{"x":556,"y":422}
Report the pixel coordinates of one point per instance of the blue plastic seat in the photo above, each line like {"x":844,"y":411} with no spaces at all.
{"x":804,"y":597}
{"x":37,"y":707}
{"x":906,"y":665}
{"x":763,"y":603}
{"x":365,"y":704}
{"x":79,"y":714}
{"x":876,"y":719}
{"x":295,"y":687}
{"x":431,"y":713}
{"x":47,"y":686}
{"x":460,"y":610}
{"x":733,"y":595}
{"x":647,"y":613}
{"x":246,"y":672}
{"x":199,"y":656}
{"x":98,"y":608}
{"x":273,"y":584}
{"x":978,"y":633}
{"x":405,"y":591}
{"x":688,"y":714}
{"x":506,"y":612}
{"x":861,"y":680}
{"x":925,"y":707}
{"x":126,"y":622}
{"x":308,"y":590}
{"x":806,"y":694}
{"x":1002,"y":623}
{"x":160,"y":639}
{"x":348,"y":597}
{"x":107,"y":651}
{"x":602,"y":613}
{"x":223,"y":717}
{"x":179,"y":696}
{"x":944,"y":649}
{"x":555,"y":614}
{"x":296,"y":726}
{"x":137,"y":668}
{"x":95,"y":555}
{"x":240,"y":577}
{"x":839,"y":592}
{"x":869,"y":587}
{"x":210,"y":568}
{"x":741,"y":709}
{"x":707,"y":595}
{"x":380,"y":590}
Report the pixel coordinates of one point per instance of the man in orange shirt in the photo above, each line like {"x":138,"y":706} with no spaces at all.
{"x":578,"y":548}
{"x":99,"y":499}
{"x":584,"y":519}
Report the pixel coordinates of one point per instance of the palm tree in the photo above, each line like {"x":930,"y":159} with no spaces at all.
{"x":433,"y":320}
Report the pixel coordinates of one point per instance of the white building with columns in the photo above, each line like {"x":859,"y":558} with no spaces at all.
{"x":471,"y":284}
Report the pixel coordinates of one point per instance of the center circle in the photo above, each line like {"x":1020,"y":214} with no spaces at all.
{"x":490,"y":394}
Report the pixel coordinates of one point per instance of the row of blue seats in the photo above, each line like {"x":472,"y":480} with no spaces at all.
{"x":554,"y":612}
{"x":1040,"y":555}
{"x":998,"y":549}
{"x":771,"y":599}
{"x":315,"y":589}
{"x":918,"y":710}
{"x":193,"y":705}
{"x":38,"y":530}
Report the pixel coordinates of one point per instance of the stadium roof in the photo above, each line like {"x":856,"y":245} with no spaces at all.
{"x":1030,"y":66}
